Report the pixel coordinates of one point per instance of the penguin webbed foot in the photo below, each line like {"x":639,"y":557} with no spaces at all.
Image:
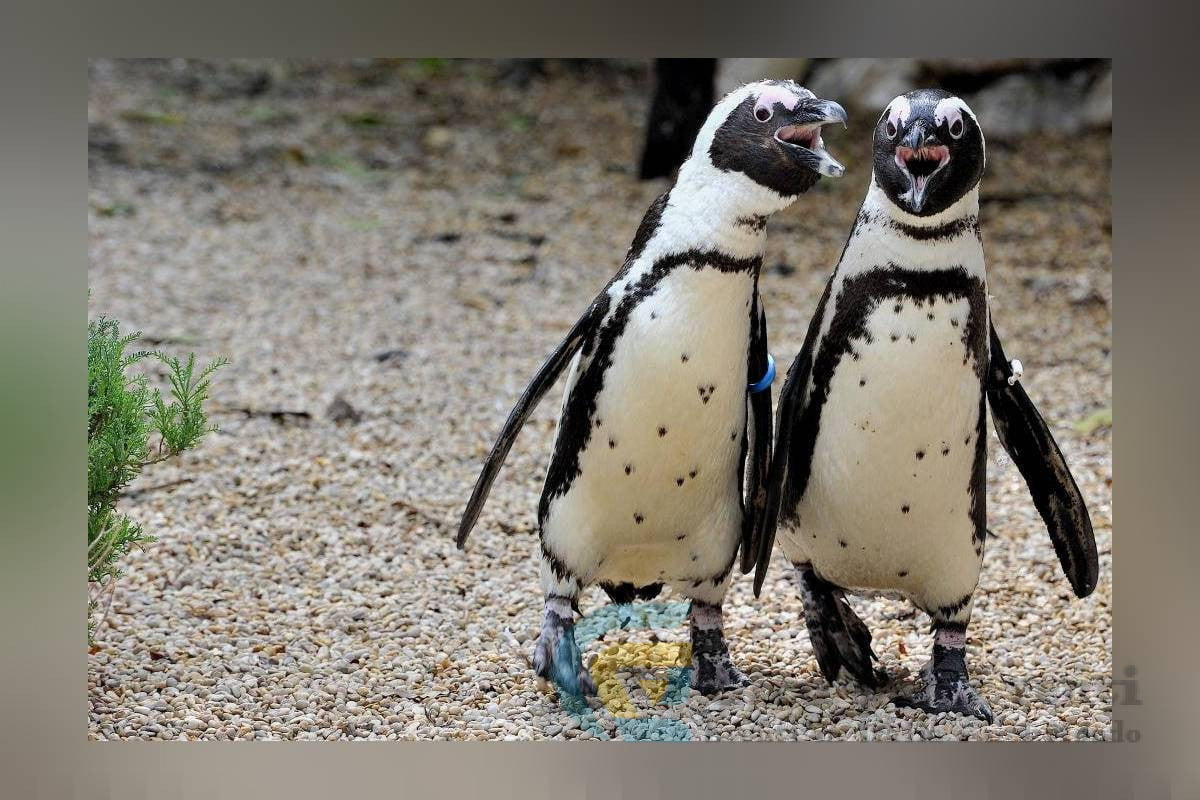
{"x":713,"y":673}
{"x":713,"y":670}
{"x":557,"y":658}
{"x":840,"y":639}
{"x":945,"y":687}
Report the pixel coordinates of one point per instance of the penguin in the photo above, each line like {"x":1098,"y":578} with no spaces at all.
{"x":644,"y":488}
{"x":878,"y":477}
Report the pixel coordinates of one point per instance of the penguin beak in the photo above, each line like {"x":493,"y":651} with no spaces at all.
{"x":802,"y":134}
{"x":920,"y":155}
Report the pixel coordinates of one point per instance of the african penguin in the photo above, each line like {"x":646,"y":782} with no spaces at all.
{"x":877,"y":481}
{"x":645,"y":485}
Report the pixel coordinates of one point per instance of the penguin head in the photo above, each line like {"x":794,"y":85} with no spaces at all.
{"x":929,"y":151}
{"x":769,"y":133}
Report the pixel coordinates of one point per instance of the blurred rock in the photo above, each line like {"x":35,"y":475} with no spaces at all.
{"x":982,"y":65}
{"x":340,"y":411}
{"x":1097,"y":110}
{"x":438,"y":138}
{"x":733,"y":72}
{"x":1011,"y":97}
{"x":867,"y":84}
{"x":1025,"y":103}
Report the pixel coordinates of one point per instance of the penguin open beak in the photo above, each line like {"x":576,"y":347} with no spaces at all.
{"x":920,"y":155}
{"x":802,"y":134}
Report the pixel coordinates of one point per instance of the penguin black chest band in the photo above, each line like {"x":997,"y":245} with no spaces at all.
{"x":766,"y":380}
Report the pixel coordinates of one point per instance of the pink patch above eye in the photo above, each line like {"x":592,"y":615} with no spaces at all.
{"x":776,"y":94}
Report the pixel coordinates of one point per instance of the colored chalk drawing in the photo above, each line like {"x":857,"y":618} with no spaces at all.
{"x":663,"y":668}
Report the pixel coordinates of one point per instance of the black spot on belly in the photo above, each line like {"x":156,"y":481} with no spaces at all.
{"x":842,"y":542}
{"x":904,"y":509}
{"x":895,"y":337}
{"x":929,"y":315}
{"x":679,"y":481}
{"x":902,"y":573}
{"x":967,"y":440}
{"x":896,"y":308}
{"x":946,"y":450}
{"x":662,"y":431}
{"x":920,"y":454}
{"x":692,"y":474}
{"x":653,"y":315}
{"x":868,"y":338}
{"x":862,"y":381}
{"x":706,"y":393}
{"x":912,"y":338}
{"x":629,"y":469}
{"x":638,"y":518}
{"x":599,"y":422}
{"x":696,"y":583}
{"x":681,"y":537}
{"x":612,"y":443}
{"x":683,"y":358}
{"x":694,"y":556}
{"x":954,"y":323}
{"x":733,"y":436}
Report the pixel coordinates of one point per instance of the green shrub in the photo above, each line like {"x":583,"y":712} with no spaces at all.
{"x":131,"y":426}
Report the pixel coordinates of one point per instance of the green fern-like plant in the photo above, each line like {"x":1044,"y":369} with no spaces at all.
{"x":130,"y":426}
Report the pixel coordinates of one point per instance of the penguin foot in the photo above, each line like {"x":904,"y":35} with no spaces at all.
{"x":712,"y":669}
{"x":946,"y":690}
{"x":839,"y":638}
{"x":556,"y":656}
{"x":713,"y":673}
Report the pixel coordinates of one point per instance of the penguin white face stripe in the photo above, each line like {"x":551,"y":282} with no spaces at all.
{"x":898,"y":112}
{"x":951,"y":109}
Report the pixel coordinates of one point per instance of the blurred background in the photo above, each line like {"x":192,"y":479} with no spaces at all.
{"x":386,"y":250}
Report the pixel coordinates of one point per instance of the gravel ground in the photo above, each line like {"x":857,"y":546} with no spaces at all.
{"x":386,"y":251}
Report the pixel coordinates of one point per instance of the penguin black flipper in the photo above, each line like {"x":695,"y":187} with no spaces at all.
{"x":791,"y":399}
{"x":1025,"y":436}
{"x":542,"y":381}
{"x":759,"y":464}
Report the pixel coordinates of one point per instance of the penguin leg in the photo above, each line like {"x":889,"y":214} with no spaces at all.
{"x":712,"y":669}
{"x":944,"y":685}
{"x":839,"y":638}
{"x":556,"y":656}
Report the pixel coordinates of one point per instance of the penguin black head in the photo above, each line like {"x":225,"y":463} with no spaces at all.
{"x":770,"y":132}
{"x":929,"y":151}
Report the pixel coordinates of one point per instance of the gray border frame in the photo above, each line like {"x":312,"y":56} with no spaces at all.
{"x":43,"y":749}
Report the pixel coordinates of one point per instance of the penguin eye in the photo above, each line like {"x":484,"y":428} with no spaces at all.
{"x":956,"y":128}
{"x":762,"y":113}
{"x":891,"y":129}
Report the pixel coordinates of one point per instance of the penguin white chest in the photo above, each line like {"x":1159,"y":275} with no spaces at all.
{"x":888,"y":504}
{"x":657,"y":494}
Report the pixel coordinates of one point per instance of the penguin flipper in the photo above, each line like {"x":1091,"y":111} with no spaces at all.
{"x":541,"y":383}
{"x":759,"y":464}
{"x":1024,"y":434}
{"x":791,"y":402}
